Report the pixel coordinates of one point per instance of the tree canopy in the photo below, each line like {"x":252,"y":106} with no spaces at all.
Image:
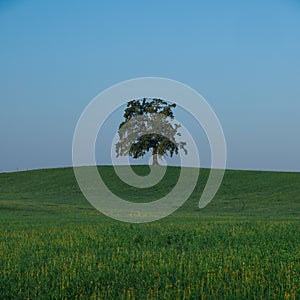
{"x":149,"y":126}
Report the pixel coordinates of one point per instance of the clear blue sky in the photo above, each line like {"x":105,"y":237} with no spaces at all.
{"x":242,"y":56}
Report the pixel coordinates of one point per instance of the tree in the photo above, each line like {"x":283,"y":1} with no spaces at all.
{"x":149,"y":126}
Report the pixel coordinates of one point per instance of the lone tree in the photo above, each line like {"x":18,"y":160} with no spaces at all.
{"x":149,"y":126}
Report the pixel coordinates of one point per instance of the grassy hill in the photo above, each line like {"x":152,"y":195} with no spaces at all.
{"x":242,"y":194}
{"x":243,"y":245}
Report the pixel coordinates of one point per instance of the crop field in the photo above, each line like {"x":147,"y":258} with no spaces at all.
{"x":244,"y":245}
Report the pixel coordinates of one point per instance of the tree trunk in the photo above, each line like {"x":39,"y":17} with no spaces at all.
{"x":155,"y":160}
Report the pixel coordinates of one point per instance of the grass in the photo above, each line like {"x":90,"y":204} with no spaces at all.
{"x":243,"y":245}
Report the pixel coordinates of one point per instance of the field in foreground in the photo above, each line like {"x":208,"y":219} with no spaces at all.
{"x":243,"y":245}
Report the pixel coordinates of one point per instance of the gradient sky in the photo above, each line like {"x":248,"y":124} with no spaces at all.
{"x":242,"y":56}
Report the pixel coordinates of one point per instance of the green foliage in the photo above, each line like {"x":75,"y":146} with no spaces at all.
{"x":148,"y":127}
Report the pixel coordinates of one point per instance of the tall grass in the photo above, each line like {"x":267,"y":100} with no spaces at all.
{"x":205,"y":260}
{"x":243,"y":245}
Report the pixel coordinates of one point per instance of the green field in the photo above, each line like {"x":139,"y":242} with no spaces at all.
{"x":244,"y":245}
